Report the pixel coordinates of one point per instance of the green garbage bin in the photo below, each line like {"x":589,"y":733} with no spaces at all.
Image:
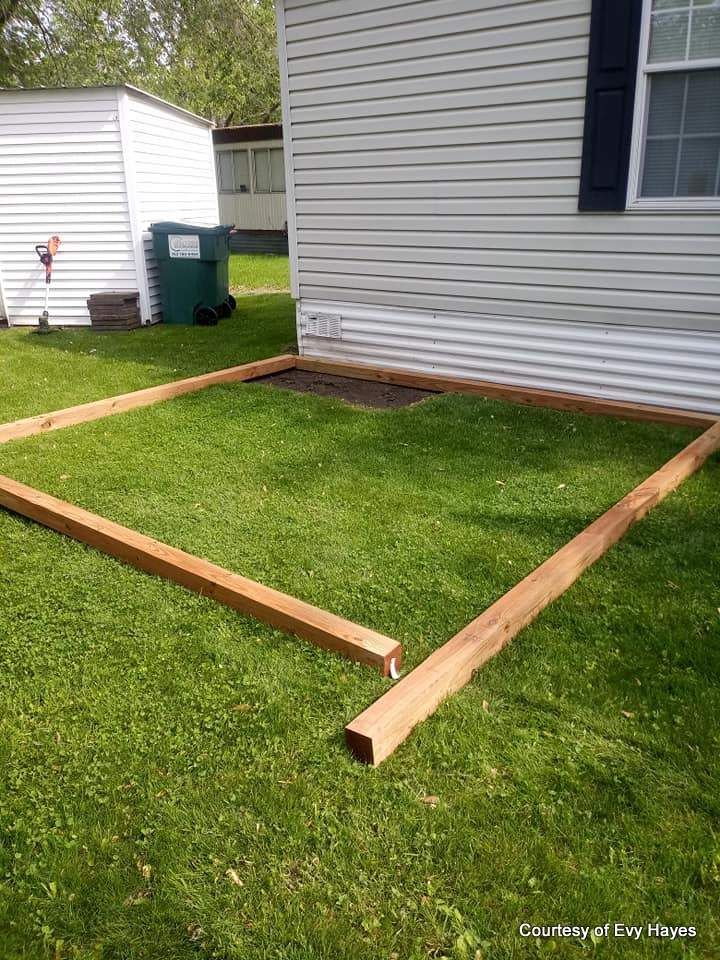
{"x":193,"y":264}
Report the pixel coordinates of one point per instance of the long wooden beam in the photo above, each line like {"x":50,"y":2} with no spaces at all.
{"x":97,"y":409}
{"x":375,"y":733}
{"x":278,"y":609}
{"x":528,"y":396}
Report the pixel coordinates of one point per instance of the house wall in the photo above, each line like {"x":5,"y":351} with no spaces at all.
{"x":434,"y":154}
{"x":171,"y":165}
{"x":61,"y":171}
{"x":252,"y":211}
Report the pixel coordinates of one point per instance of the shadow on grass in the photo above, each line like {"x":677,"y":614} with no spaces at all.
{"x":261,"y":326}
{"x":439,"y":508}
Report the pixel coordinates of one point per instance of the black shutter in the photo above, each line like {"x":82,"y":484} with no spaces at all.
{"x":609,"y":102}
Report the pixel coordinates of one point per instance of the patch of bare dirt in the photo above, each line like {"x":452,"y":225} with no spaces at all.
{"x":361,"y":393}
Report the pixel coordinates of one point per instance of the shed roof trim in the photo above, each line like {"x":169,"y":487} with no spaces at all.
{"x":115,"y":86}
{"x":248,"y":133}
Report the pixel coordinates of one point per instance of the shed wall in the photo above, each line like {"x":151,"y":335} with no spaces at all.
{"x":174,"y":165}
{"x":174,"y":176}
{"x":61,"y":171}
{"x":435,"y":157}
{"x":254,"y":211}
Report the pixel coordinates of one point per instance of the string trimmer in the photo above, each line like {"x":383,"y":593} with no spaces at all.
{"x":46,"y":252}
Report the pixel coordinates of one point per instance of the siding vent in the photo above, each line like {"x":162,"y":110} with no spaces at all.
{"x":326,"y":325}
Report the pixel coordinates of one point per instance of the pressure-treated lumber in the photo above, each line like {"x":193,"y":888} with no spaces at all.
{"x":375,"y":733}
{"x":97,"y":409}
{"x":528,"y":396}
{"x":278,"y":609}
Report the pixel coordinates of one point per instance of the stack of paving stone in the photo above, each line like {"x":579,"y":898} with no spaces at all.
{"x":114,"y":310}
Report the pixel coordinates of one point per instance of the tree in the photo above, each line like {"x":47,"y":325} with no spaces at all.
{"x":214,"y":57}
{"x":7,"y":10}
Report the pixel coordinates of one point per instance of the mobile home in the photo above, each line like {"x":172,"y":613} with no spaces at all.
{"x":523,"y":191}
{"x":96,"y":166}
{"x":251,"y":185}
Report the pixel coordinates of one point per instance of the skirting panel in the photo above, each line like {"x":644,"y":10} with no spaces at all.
{"x":674,"y":368}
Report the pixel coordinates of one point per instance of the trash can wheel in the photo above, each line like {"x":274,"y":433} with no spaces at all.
{"x":232,"y":302}
{"x":206,"y":316}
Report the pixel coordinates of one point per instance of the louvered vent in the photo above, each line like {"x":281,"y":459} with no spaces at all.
{"x":321,"y":325}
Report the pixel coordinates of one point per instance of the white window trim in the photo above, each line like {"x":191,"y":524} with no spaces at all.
{"x":231,"y":149}
{"x":271,"y":191}
{"x":253,"y":171}
{"x":634,"y":200}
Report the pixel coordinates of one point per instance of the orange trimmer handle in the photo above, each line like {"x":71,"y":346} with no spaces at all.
{"x":46,"y":252}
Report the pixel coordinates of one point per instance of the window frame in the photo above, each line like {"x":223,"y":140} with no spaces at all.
{"x":272,"y":191}
{"x":640,"y":118}
{"x":234,"y":191}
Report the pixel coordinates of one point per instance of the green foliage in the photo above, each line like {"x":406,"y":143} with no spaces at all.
{"x":214,"y":57}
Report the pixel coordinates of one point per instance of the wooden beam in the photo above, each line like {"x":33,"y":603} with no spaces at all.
{"x":574,"y":402}
{"x":375,"y":733}
{"x":278,"y":609}
{"x":97,"y":409}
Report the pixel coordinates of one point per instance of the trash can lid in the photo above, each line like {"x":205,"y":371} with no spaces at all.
{"x":170,"y":226}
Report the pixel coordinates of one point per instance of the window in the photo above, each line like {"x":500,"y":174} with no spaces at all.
{"x":677,"y":150}
{"x":233,"y":171}
{"x":269,"y":166}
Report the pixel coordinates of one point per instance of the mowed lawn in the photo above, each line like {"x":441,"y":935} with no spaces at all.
{"x":38,"y":374}
{"x":250,"y":273}
{"x":173,"y":777}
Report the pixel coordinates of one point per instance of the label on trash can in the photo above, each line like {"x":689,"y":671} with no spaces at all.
{"x":184,"y":246}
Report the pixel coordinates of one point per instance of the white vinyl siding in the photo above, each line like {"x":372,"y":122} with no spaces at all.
{"x":637,"y":364}
{"x":61,"y":172}
{"x":436,"y":160}
{"x":152,"y":271}
{"x":174,"y":176}
{"x":95,"y":166}
{"x":174,"y":165}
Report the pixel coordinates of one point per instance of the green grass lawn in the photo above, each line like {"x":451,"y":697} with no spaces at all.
{"x":251,"y":272}
{"x":39,"y":374}
{"x":173,"y":777}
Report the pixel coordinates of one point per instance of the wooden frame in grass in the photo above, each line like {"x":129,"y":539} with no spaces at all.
{"x":320,"y":627}
{"x":382,"y":727}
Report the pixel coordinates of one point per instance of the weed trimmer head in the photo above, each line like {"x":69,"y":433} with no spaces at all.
{"x":46,"y":252}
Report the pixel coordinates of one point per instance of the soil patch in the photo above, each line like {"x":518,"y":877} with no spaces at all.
{"x":361,"y":393}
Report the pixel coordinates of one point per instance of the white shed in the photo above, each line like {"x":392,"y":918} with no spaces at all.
{"x":523,"y":192}
{"x":97,"y":166}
